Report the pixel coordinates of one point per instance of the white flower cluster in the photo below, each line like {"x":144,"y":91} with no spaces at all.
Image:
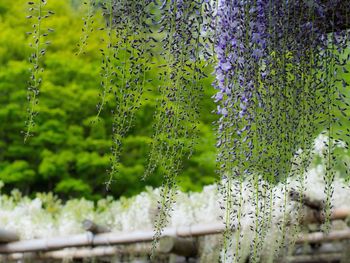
{"x":46,"y":216}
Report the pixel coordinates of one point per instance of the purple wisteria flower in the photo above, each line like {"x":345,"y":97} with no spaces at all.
{"x":279,"y":80}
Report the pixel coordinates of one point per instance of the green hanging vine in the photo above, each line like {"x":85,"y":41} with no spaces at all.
{"x":37,"y":13}
{"x":176,"y":117}
{"x":109,"y":54}
{"x":124,"y":67}
{"x":277,"y":90}
{"x":87,"y":28}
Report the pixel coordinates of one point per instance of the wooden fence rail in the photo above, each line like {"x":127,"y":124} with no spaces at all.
{"x":89,"y":239}
{"x":98,"y":241}
{"x":110,"y":238}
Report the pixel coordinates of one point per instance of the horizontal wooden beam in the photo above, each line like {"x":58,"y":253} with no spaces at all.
{"x":317,"y":258}
{"x":88,"y":239}
{"x":313,"y":216}
{"x":320,"y":237}
{"x":103,"y":239}
{"x":79,"y":253}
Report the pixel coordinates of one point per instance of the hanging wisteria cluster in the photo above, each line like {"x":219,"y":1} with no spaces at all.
{"x":134,"y":35}
{"x":182,"y":45}
{"x":280,"y":79}
{"x":38,"y":13}
{"x":88,"y":25}
{"x":178,"y":34}
{"x":126,"y":60}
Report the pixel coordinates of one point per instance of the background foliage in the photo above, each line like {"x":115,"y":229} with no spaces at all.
{"x":68,"y":155}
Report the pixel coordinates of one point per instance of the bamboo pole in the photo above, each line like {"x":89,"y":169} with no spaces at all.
{"x":317,"y":258}
{"x":47,"y":243}
{"x":80,"y":253}
{"x":144,"y":249}
{"x":102,"y":239}
{"x":313,"y":216}
{"x":167,"y":245}
{"x":178,"y":246}
{"x":88,"y":239}
{"x":320,"y":237}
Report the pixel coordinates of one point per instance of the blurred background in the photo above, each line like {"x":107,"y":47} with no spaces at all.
{"x":68,"y":155}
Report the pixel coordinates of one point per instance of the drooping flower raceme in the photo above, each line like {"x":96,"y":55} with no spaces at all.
{"x":39,"y":13}
{"x":181,"y":26}
{"x":278,"y":65}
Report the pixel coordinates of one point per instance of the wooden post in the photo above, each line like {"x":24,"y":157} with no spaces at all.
{"x":94,"y":228}
{"x":179,"y":246}
{"x":8,"y":236}
{"x":314,"y":216}
{"x":313,"y":204}
{"x":315,"y":211}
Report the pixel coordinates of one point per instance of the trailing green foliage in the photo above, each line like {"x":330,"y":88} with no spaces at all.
{"x":125,"y":65}
{"x":178,"y":28}
{"x":39,"y":14}
{"x":69,"y":155}
{"x":279,"y":85}
{"x":87,"y":28}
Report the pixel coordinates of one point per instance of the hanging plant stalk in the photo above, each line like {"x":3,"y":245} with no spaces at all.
{"x":277,"y":89}
{"x":37,"y":13}
{"x":183,"y":48}
{"x":87,"y":28}
{"x":124,"y":67}
{"x":109,"y":54}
